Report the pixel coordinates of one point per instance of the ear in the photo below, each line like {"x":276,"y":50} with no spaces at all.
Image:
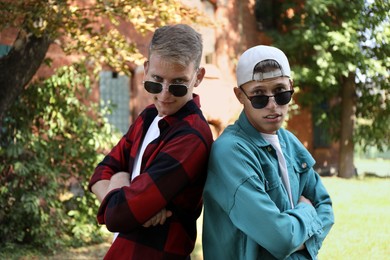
{"x":146,"y":67}
{"x":199,"y":76}
{"x":291,"y":84}
{"x":239,"y":95}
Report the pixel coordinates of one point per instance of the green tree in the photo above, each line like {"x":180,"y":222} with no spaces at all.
{"x":340,"y":53}
{"x":78,"y":27}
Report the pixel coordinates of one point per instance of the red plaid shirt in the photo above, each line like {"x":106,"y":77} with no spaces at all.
{"x":173,"y":173}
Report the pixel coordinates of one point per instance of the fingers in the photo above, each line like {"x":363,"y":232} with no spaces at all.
{"x":159,"y":218}
{"x":147,"y":223}
{"x":305,"y":200}
{"x":163,"y":216}
{"x":153,"y":221}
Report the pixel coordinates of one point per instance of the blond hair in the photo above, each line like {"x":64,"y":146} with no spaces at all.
{"x":179,"y":43}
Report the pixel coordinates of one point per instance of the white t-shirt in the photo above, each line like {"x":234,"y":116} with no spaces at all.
{"x":152,"y":133}
{"x":274,"y":141}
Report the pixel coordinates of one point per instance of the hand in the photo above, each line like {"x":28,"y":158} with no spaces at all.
{"x":159,"y":218}
{"x":304,"y":200}
{"x":301,"y":247}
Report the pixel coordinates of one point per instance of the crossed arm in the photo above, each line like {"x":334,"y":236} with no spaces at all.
{"x":118,"y":180}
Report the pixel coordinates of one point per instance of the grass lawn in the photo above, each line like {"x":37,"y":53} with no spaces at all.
{"x":362,"y":219}
{"x":361,"y":231}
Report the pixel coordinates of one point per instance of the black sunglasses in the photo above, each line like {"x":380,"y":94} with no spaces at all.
{"x":178,"y":90}
{"x":261,"y":101}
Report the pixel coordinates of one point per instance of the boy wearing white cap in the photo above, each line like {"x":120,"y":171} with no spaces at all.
{"x":263,"y":199}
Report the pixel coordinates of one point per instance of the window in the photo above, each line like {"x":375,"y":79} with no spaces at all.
{"x":114,"y":93}
{"x":4,"y":49}
{"x":267,"y":14}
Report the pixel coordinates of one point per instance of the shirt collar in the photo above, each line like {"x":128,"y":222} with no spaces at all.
{"x":191,"y":107}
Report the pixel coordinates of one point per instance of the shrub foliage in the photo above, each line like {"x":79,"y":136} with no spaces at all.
{"x":50,"y":143}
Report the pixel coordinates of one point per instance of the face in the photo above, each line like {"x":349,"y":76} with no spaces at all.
{"x":271,"y":117}
{"x":161,"y":70}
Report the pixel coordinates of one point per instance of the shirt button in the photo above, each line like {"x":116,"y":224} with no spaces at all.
{"x":269,"y":149}
{"x":304,"y":165}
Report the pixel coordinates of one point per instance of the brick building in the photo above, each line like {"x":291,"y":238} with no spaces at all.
{"x":237,"y":29}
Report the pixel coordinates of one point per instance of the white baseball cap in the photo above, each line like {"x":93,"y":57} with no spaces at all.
{"x":251,"y":57}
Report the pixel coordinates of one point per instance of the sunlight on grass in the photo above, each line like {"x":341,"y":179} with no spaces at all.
{"x":379,"y":167}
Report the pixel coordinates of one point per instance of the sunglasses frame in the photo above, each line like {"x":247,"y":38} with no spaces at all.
{"x":169,"y":87}
{"x":172,"y":91}
{"x":276,"y":98}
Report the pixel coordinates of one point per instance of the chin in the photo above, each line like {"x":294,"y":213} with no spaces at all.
{"x":272,"y":130}
{"x":165,"y":112}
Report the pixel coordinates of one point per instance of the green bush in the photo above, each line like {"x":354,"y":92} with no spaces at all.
{"x":50,"y":143}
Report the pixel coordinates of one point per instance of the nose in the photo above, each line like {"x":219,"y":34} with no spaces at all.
{"x":165,"y":89}
{"x":271,"y":102}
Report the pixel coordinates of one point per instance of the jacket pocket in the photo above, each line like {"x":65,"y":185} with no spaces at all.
{"x":272,"y":178}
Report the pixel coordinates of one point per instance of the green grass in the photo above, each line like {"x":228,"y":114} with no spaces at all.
{"x":362,"y":219}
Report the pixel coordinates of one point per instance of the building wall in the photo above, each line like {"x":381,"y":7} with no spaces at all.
{"x":235,"y":30}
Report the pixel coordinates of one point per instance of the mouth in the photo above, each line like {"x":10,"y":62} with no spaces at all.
{"x":272,"y":116}
{"x":165,"y":102}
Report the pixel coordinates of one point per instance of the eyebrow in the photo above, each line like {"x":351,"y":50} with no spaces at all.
{"x":281,"y":85}
{"x":269,"y":88}
{"x":185,"y":79}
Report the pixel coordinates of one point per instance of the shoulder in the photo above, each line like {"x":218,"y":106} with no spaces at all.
{"x":187,"y":124}
{"x":234,"y":145}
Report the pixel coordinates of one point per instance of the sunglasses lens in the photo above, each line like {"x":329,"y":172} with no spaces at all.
{"x":153,"y":87}
{"x":283,"y":98}
{"x":175,"y":89}
{"x":259,"y":101}
{"x":178,"y":90}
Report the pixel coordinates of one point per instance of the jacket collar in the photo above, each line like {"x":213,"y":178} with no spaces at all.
{"x":253,"y":134}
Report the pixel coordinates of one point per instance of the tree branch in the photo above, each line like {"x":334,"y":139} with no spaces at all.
{"x":19,"y":66}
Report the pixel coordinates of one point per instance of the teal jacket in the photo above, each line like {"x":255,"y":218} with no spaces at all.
{"x":247,"y":213}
